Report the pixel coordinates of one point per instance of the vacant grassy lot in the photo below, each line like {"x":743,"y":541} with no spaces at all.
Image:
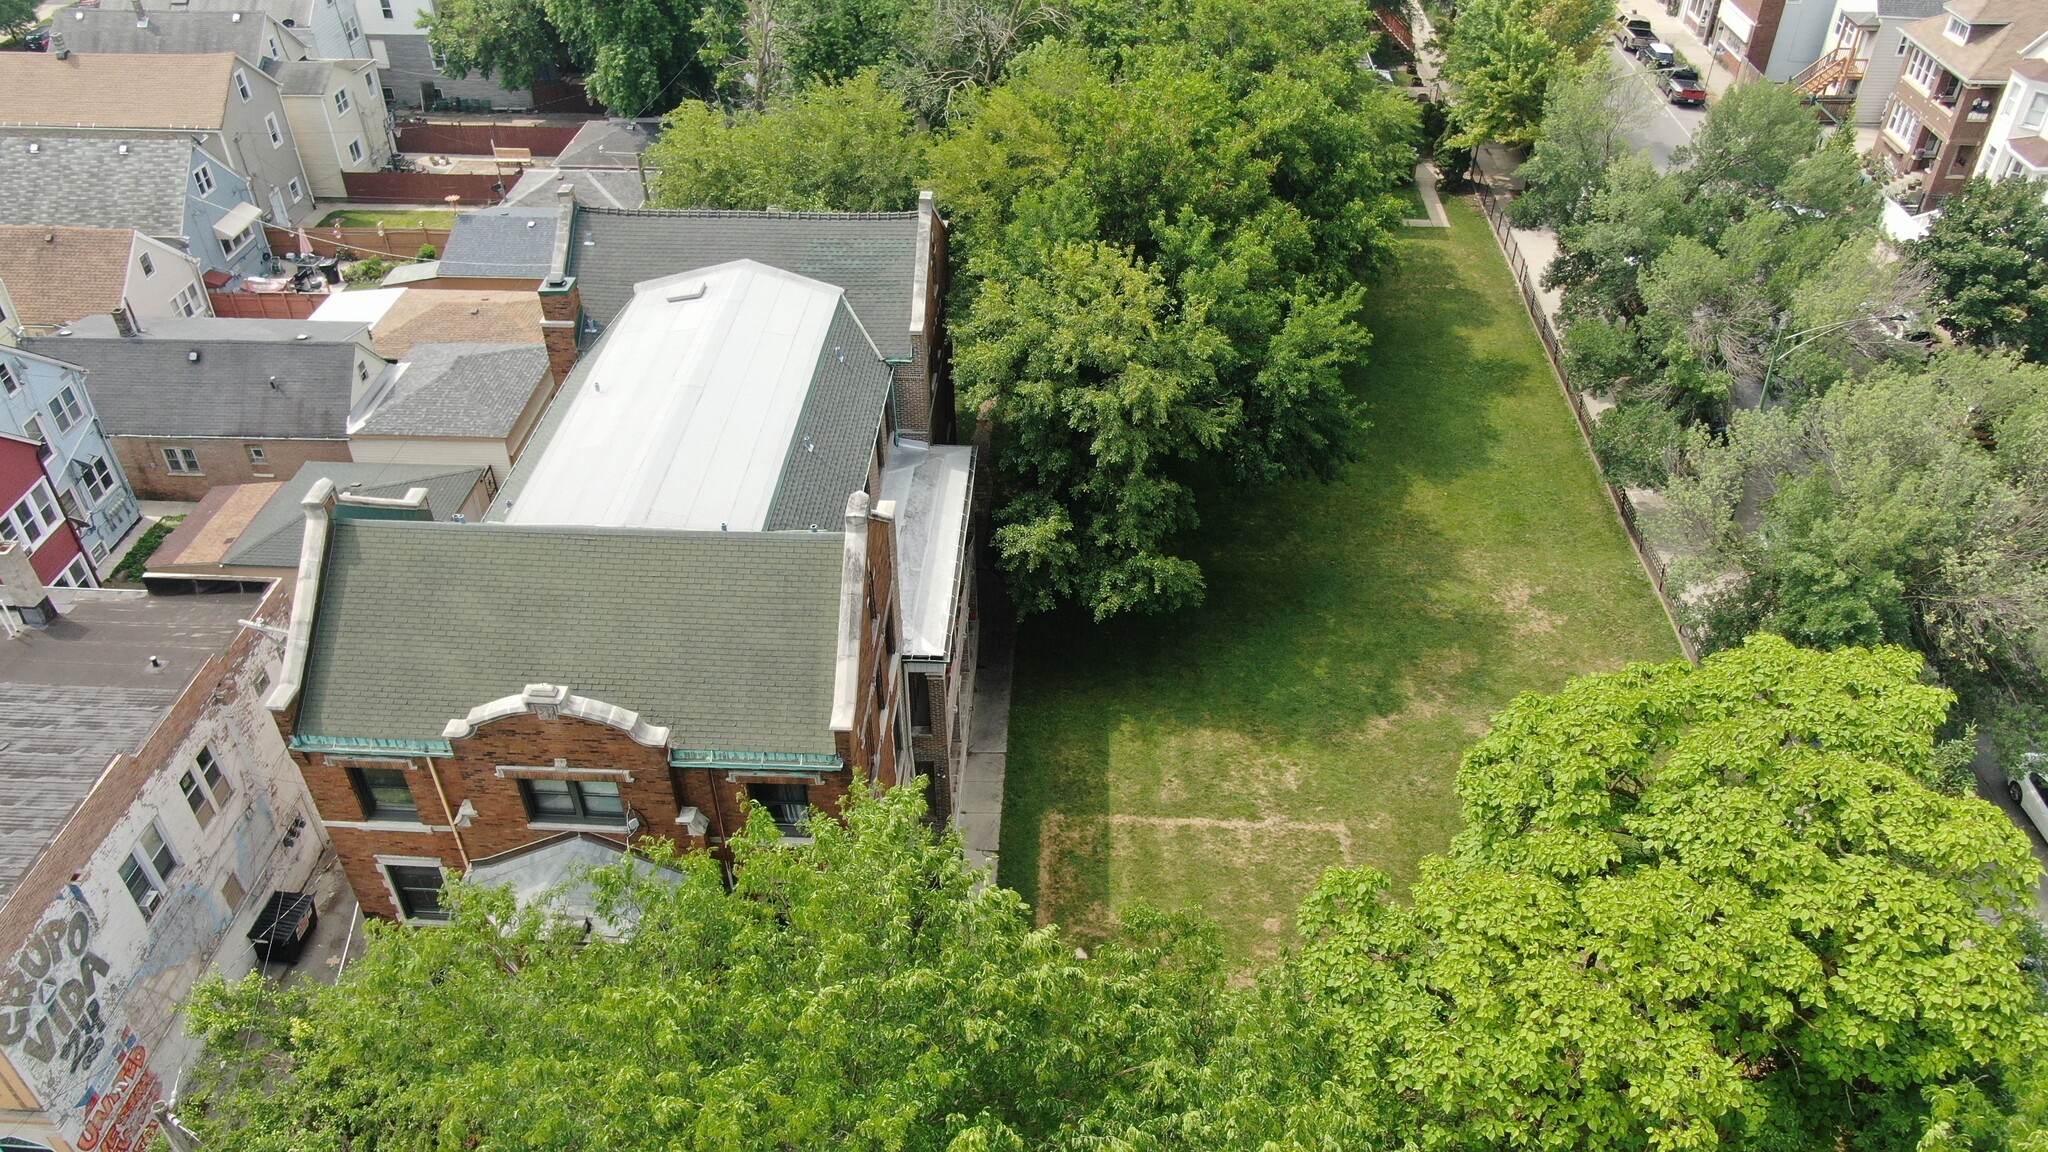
{"x":393,"y":218}
{"x":1355,"y":639}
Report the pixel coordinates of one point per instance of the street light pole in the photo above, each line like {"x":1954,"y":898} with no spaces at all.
{"x":1810,"y":335}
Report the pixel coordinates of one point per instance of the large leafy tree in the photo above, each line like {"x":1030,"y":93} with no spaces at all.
{"x":848,"y":147}
{"x":511,"y":41}
{"x":862,"y":991}
{"x":16,"y":17}
{"x":1692,"y":908}
{"x":1587,"y":116}
{"x":1502,"y":56}
{"x":1988,"y":253}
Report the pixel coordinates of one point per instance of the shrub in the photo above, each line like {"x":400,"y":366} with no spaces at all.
{"x":1637,"y":442}
{"x":428,"y":252}
{"x":367,"y":271}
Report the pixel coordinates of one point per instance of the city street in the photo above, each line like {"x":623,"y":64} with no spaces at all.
{"x":1666,"y":127}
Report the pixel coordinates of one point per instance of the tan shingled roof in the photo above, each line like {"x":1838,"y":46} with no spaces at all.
{"x":1990,"y":58}
{"x":446,"y":316}
{"x":213,"y":527}
{"x":57,"y":275}
{"x":115,"y":90}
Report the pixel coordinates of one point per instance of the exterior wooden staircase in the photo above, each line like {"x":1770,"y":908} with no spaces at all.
{"x":1829,"y":74}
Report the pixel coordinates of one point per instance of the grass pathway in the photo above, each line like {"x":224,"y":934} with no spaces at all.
{"x":1355,"y":638}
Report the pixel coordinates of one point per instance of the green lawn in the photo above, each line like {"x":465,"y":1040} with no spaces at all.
{"x":395,"y":218}
{"x":1355,"y":639}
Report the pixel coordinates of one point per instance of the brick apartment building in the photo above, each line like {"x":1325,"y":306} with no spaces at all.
{"x":719,"y":577}
{"x":1957,"y":66}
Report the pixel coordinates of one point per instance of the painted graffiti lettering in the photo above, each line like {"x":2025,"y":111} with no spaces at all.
{"x":50,"y":995}
{"x":119,"y":1119}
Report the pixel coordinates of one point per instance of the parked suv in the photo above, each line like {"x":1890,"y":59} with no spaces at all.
{"x":1683,"y":87}
{"x":1658,"y":54}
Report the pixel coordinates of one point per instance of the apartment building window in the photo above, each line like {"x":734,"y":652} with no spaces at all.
{"x":257,"y":458}
{"x":384,"y":6}
{"x":1921,"y":69}
{"x":187,"y":300}
{"x":298,"y":193}
{"x":206,"y":788}
{"x":341,"y":101}
{"x":1958,"y":30}
{"x":242,"y":86}
{"x":217,"y":780}
{"x":270,"y":125}
{"x":1961,"y":163}
{"x":202,"y":177}
{"x":98,"y":478}
{"x":355,"y":151}
{"x":1902,"y":125}
{"x":148,"y":266}
{"x":789,"y":805}
{"x":2037,"y":111}
{"x":275,"y":54}
{"x":74,"y":575}
{"x":418,"y":889}
{"x":9,"y":382}
{"x":65,"y":409}
{"x":147,"y":870}
{"x":33,"y":429}
{"x":920,"y":704}
{"x":384,"y":795}
{"x":573,"y":801}
{"x":32,"y":518}
{"x":181,"y":462}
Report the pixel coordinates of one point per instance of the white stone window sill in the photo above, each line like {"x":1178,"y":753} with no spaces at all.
{"x":574,"y":826}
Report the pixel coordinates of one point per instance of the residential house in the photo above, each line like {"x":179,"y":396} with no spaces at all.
{"x":892,"y":266}
{"x":45,"y":400}
{"x":697,"y":592}
{"x":1776,"y":39}
{"x":328,"y":28}
{"x":56,"y":275}
{"x":164,"y":186}
{"x":191,"y":404}
{"x":152,"y":811}
{"x":507,"y":249}
{"x":413,"y":76}
{"x":252,"y":35}
{"x":337,"y":113}
{"x":2017,"y":145}
{"x":32,"y":525}
{"x":251,"y":533}
{"x":222,"y":102}
{"x":1861,"y":62}
{"x":469,"y":404}
{"x":1957,"y":67}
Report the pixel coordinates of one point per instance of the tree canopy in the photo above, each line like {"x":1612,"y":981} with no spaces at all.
{"x":1502,"y":56}
{"x":1988,"y":252}
{"x":1722,"y":906}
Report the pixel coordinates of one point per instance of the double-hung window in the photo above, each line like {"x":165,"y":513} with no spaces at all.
{"x":2036,"y":113}
{"x":205,"y":786}
{"x":98,"y":478}
{"x":355,"y":151}
{"x":9,"y":382}
{"x":65,"y":409}
{"x":418,"y":889}
{"x":242,"y":85}
{"x":181,"y":462}
{"x":384,"y":794}
{"x":202,"y":178}
{"x":75,"y":574}
{"x":341,"y":102}
{"x":147,"y":871}
{"x":574,"y":801}
{"x":1902,"y":124}
{"x":241,"y":240}
{"x":148,"y":266}
{"x":270,"y":126}
{"x":789,"y":805}
{"x":32,"y":518}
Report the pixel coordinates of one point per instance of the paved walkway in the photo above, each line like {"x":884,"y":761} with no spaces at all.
{"x":979,"y":816}
{"x":1432,"y":204}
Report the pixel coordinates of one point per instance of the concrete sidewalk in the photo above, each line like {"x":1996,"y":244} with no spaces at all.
{"x":979,"y":816}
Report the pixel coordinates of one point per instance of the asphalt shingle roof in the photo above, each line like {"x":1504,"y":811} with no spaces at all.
{"x":112,"y":90}
{"x":828,"y":456}
{"x":304,"y":77}
{"x":609,"y":144}
{"x":594,"y":188}
{"x":273,"y":536}
{"x":514,"y":243}
{"x":149,"y":385}
{"x":457,"y":316}
{"x":727,"y":638}
{"x":57,"y":275}
{"x":871,"y":255}
{"x":177,"y":33}
{"x":461,"y":390}
{"x":85,"y":180}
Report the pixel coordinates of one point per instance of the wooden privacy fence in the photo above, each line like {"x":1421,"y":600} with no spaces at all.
{"x":266,"y":305}
{"x":1529,"y":286}
{"x":478,"y":139}
{"x":476,"y":188}
{"x":396,"y":243}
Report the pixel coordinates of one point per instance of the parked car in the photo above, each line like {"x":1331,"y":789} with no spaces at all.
{"x":1658,"y":54}
{"x":1683,"y":87}
{"x":33,"y":40}
{"x":1633,"y":34}
{"x":2032,"y":793}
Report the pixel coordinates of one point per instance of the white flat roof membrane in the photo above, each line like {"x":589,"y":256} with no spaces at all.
{"x":686,"y":418}
{"x":930,"y":485}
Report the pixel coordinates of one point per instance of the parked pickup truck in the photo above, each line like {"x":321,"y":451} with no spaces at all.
{"x":1683,"y":86}
{"x":1634,"y":35}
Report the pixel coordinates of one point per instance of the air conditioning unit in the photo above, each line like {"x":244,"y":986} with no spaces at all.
{"x":150,"y":899}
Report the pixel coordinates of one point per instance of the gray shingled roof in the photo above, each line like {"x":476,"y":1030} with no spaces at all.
{"x":595,"y":188}
{"x":273,"y":536}
{"x":304,"y":77}
{"x":113,"y":30}
{"x":460,"y":390}
{"x":609,"y":144}
{"x":727,"y":638}
{"x":515,"y":243}
{"x":841,"y":418}
{"x":149,"y":385}
{"x":872,"y":255}
{"x":84,"y":180}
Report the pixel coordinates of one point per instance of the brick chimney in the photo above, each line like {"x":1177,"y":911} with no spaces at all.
{"x":21,"y":588}
{"x":561,"y":305}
